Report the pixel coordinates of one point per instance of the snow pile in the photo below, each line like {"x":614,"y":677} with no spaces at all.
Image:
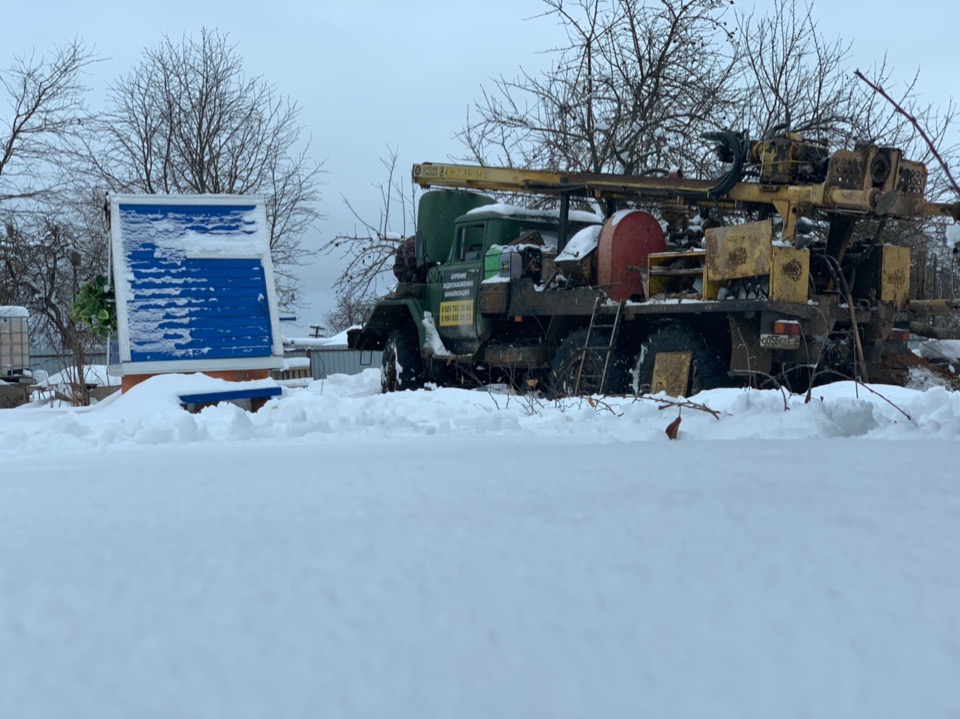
{"x":953,"y":235}
{"x":325,"y":411}
{"x":337,"y":340}
{"x":433,"y":341}
{"x":581,"y":244}
{"x":506,"y":210}
{"x":93,"y":374}
{"x":940,"y":350}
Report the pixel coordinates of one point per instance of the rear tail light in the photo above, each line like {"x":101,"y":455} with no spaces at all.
{"x":787,"y":327}
{"x":898,"y":334}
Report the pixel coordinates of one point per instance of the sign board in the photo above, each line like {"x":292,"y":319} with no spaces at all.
{"x":194,"y":284}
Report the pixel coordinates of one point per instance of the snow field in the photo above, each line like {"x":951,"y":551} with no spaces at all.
{"x":457,"y":553}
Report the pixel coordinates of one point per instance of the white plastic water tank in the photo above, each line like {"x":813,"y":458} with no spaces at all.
{"x":14,"y":341}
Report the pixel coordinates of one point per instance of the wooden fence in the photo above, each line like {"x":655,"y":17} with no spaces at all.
{"x":932,"y":278}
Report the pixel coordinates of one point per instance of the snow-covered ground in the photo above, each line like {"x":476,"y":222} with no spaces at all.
{"x":445,"y":553}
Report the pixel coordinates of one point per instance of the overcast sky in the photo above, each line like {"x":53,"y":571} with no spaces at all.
{"x":369,"y":74}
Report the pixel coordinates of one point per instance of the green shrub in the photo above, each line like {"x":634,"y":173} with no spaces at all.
{"x":96,"y":306}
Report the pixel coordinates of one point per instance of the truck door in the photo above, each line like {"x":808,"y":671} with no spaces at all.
{"x":458,"y":318}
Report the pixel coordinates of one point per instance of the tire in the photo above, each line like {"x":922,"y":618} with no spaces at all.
{"x":402,"y":366}
{"x":707,"y":369}
{"x":567,"y":362}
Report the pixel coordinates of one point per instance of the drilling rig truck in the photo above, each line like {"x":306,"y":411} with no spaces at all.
{"x":780,"y":273}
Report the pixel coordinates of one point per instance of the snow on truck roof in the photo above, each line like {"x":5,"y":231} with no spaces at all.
{"x":506,"y":210}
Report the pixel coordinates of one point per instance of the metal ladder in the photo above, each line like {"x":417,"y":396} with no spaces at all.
{"x":599,"y":321}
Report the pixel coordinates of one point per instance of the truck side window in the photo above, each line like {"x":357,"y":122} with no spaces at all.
{"x":471,"y":242}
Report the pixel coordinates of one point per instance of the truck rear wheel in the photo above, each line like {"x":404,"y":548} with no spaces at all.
{"x":567,"y":363}
{"x":402,"y":366}
{"x":707,"y":370}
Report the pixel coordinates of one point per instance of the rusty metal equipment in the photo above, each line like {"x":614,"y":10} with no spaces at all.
{"x":774,"y":275}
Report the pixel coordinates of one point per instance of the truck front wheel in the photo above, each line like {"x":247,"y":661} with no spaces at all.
{"x":401,"y":367}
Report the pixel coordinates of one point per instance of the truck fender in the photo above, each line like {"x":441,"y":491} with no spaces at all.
{"x":386,"y":316}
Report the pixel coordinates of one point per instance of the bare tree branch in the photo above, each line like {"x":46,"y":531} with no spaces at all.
{"x":921,"y":131}
{"x":187,"y":119}
{"x":631,"y":89}
{"x":369,"y":248}
{"x":46,"y":97}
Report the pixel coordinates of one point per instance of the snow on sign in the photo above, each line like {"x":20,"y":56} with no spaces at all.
{"x":194,"y":284}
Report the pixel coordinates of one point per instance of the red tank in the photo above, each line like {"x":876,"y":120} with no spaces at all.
{"x":625,"y":241}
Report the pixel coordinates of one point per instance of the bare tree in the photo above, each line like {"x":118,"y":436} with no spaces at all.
{"x":920,"y":126}
{"x":44,"y":260}
{"x":46,"y":97}
{"x":187,"y":120}
{"x":350,"y":310}
{"x":633,"y":86}
{"x":46,"y":249}
{"x":369,"y":248}
{"x":792,"y":79}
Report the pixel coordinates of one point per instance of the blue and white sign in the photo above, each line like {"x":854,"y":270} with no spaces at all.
{"x":194,"y":283}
